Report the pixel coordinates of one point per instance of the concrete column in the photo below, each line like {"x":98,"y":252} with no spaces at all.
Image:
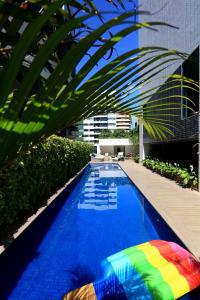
{"x":98,"y":149}
{"x":141,"y":142}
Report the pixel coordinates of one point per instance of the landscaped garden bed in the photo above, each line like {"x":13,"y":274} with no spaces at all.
{"x":186,"y":177}
{"x":33,"y":177}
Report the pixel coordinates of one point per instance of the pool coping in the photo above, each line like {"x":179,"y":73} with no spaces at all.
{"x":145,"y":198}
{"x":170,"y":222}
{"x":32,"y":218}
{"x":167,"y":198}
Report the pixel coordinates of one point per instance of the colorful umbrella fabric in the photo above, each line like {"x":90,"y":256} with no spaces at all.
{"x":156,"y":270}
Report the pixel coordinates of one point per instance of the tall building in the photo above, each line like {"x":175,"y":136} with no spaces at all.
{"x":184,"y":15}
{"x":90,"y":129}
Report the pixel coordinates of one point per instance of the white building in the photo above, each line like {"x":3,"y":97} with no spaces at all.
{"x":90,"y":129}
{"x":114,"y":146}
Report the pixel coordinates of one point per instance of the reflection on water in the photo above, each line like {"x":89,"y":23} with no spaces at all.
{"x":100,"y":190}
{"x":101,"y":216}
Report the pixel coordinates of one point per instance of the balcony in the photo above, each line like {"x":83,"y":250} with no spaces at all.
{"x":103,"y":126}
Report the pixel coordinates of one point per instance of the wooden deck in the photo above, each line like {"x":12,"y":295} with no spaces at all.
{"x":179,"y":207}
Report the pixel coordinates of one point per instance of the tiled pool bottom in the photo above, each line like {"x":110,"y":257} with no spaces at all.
{"x":103,"y":214}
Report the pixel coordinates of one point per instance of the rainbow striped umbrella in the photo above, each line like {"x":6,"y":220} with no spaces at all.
{"x":157,"y":270}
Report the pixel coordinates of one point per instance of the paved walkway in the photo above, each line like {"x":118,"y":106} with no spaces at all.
{"x":179,"y":207}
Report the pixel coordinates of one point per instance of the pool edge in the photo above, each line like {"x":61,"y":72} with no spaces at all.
{"x":41,"y":210}
{"x":163,"y":216}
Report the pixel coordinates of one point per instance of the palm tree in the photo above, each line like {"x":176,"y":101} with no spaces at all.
{"x":39,"y":91}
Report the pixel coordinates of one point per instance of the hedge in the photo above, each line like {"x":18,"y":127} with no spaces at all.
{"x":35,"y":176}
{"x":183,"y":176}
{"x":136,"y":158}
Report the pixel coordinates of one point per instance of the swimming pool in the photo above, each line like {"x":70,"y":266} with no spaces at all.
{"x":101,"y":215}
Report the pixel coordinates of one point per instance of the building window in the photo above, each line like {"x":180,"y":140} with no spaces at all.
{"x":190,"y":69}
{"x":100,"y":119}
{"x":101,"y":125}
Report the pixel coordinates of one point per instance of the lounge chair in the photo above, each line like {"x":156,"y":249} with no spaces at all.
{"x":120,"y":156}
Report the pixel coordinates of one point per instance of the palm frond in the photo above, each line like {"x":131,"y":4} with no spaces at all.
{"x":32,"y":107}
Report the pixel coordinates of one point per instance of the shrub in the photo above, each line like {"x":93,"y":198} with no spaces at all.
{"x":185,"y":177}
{"x":136,"y":158}
{"x":35,"y":176}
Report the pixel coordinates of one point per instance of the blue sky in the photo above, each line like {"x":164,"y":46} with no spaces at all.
{"x":128,"y":43}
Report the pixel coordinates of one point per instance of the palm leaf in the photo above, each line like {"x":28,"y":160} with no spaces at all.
{"x":29,"y":114}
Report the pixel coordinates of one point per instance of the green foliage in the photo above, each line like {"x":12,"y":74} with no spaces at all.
{"x":136,"y":158}
{"x":115,"y":133}
{"x":132,"y":134}
{"x":33,"y":106}
{"x":106,"y":134}
{"x":34,"y":176}
{"x":185,"y":177}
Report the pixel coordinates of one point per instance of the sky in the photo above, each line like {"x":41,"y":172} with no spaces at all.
{"x":128,"y":43}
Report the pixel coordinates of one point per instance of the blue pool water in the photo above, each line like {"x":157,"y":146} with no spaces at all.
{"x":103,"y":214}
